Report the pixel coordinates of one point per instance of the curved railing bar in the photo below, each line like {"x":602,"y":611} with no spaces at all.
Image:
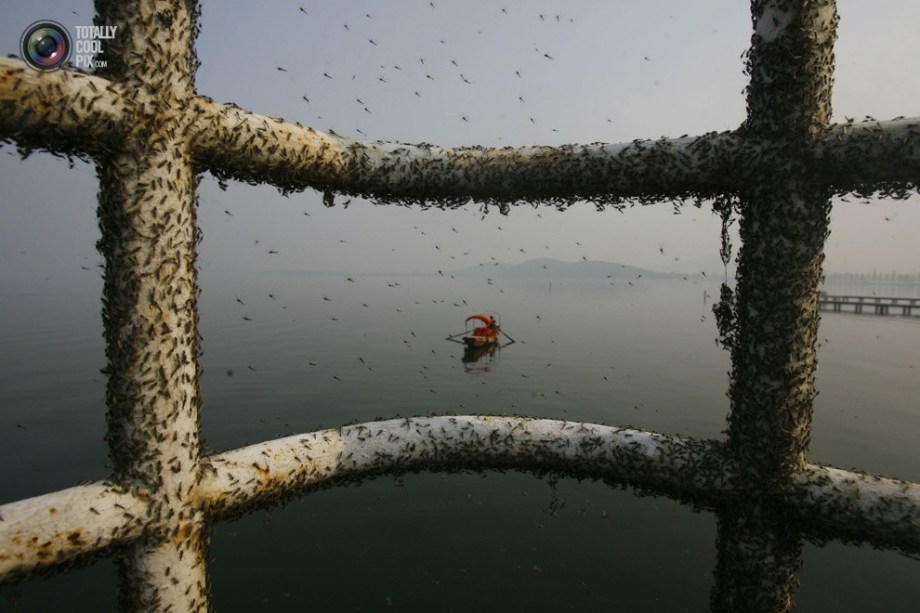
{"x":64,"y":525}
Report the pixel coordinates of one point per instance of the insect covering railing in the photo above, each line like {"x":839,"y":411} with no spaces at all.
{"x":150,"y":135}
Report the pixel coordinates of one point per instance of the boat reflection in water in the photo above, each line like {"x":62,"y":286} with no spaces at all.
{"x":481,"y":342}
{"x":480,"y":359}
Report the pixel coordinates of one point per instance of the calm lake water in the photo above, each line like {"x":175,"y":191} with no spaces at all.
{"x":323,"y":350}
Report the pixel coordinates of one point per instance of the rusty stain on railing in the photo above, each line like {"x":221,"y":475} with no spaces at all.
{"x":149,"y":132}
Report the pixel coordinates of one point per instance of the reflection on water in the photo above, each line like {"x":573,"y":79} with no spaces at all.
{"x":641,"y":355}
{"x":480,"y":359}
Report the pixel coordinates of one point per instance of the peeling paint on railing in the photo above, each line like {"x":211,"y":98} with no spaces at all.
{"x":59,"y":527}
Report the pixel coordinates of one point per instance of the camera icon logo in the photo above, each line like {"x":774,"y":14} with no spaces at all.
{"x":45,"y":45}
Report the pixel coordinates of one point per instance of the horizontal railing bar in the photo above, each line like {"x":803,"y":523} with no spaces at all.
{"x":77,"y":113}
{"x":862,"y":504}
{"x":282,"y":467}
{"x":236,"y":143}
{"x":61,"y":526}
{"x":65,"y":525}
{"x":887,"y":509}
{"x":870,"y":156}
{"x":63,"y":110}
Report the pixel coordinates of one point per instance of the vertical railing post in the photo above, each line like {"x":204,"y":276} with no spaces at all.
{"x":759,"y":555}
{"x":783,"y":227}
{"x":149,"y":232}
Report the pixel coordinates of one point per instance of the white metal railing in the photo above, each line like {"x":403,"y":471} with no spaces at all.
{"x":149,"y":132}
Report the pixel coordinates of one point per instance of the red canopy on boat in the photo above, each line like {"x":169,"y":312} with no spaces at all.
{"x":483,"y":318}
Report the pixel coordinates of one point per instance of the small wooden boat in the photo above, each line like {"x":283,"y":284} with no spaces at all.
{"x":483,"y":339}
{"x":484,"y":335}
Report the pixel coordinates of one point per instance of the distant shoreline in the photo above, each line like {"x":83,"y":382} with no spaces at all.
{"x":542,"y":268}
{"x":553,"y":269}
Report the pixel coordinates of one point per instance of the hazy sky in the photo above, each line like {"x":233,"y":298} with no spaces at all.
{"x":520,"y":73}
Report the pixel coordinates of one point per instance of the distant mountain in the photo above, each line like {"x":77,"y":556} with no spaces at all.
{"x":548,"y":268}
